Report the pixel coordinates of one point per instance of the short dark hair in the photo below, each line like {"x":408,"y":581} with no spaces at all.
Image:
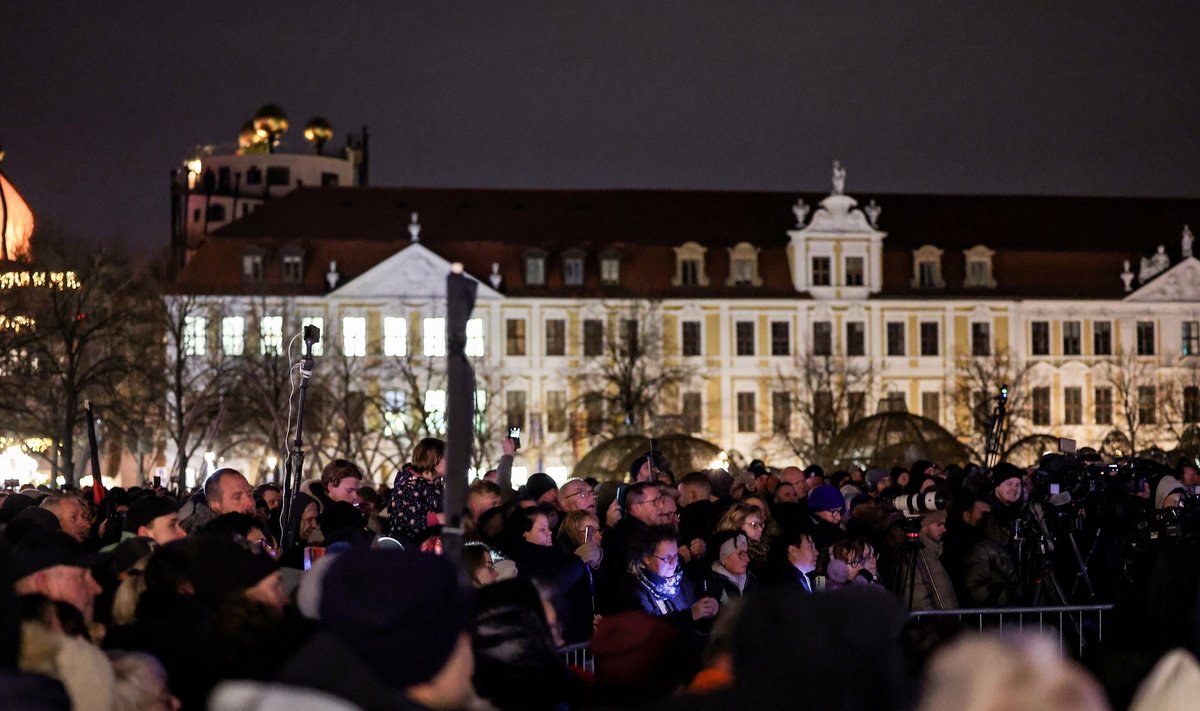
{"x":636,"y":492}
{"x":212,"y":485}
{"x":697,"y":479}
{"x":264,"y":488}
{"x":339,"y":469}
{"x":646,"y":541}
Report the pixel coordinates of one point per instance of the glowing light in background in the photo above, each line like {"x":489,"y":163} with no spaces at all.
{"x":19,"y":223}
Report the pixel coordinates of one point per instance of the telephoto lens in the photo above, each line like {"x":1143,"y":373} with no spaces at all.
{"x":916,"y":504}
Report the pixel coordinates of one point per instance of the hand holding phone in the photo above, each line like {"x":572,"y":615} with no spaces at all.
{"x":514,"y":433}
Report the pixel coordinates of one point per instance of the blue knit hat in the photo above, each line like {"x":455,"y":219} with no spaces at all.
{"x":825,"y":498}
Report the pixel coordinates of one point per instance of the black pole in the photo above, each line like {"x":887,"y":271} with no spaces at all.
{"x":294,"y":468}
{"x":97,"y":485}
{"x":460,"y":410}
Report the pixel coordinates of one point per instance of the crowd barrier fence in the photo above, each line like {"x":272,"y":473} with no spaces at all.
{"x":1078,"y":628}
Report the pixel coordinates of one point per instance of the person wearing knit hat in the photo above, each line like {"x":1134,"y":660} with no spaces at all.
{"x":393,"y":633}
{"x":640,"y":470}
{"x":1006,"y":481}
{"x":542,"y":488}
{"x":827,"y":506}
{"x":154,"y":517}
{"x":1169,"y":493}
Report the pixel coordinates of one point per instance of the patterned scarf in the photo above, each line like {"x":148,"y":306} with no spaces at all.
{"x":661,"y":589}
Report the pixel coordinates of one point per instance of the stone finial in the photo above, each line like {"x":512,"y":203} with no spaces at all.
{"x":414,"y":229}
{"x":494,"y":278}
{"x":1186,"y":241}
{"x":801,"y":211}
{"x":1127,"y":277}
{"x":332,"y":277}
{"x":839,"y":179}
{"x":873,"y":212}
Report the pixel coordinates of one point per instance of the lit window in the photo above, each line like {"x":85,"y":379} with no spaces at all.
{"x":435,"y":411}
{"x":233,"y":335}
{"x":1190,"y":338}
{"x":610,"y":270}
{"x":354,"y":336}
{"x":535,"y":267}
{"x":195,"y":335}
{"x":475,"y":345}
{"x":573,"y":268}
{"x":293,"y":268}
{"x":515,"y":337}
{"x":395,"y":414}
{"x":318,"y":347}
{"x":434,"y":332}
{"x":270,"y":332}
{"x":395,"y":336}
{"x":252,"y":267}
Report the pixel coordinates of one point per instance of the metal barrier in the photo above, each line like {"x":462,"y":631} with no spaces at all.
{"x":1079,"y":628}
{"x":579,"y":655}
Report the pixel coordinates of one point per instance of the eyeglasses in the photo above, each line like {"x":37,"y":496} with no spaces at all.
{"x":585,"y":493}
{"x":754,"y":524}
{"x":668,"y":559}
{"x":650,"y":501}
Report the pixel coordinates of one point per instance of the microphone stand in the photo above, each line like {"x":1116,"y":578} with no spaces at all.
{"x":294,"y":468}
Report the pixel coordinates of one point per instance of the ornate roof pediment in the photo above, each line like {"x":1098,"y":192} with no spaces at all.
{"x":415,"y":272}
{"x":1179,"y":283}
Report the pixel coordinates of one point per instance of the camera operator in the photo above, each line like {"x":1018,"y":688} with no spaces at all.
{"x":990,"y":577}
{"x":1172,"y":589}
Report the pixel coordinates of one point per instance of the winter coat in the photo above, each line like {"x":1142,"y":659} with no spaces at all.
{"x":413,"y":499}
{"x":989,"y":572}
{"x":931,"y":586}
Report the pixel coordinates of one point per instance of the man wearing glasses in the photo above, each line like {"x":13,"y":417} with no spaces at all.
{"x":643,"y":508}
{"x":576,"y":495}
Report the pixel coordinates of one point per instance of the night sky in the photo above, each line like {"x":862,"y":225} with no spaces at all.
{"x":99,"y":100}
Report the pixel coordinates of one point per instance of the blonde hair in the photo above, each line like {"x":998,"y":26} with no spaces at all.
{"x":571,"y":523}
{"x":1008,"y":673}
{"x":736,"y":516}
{"x":125,"y":599}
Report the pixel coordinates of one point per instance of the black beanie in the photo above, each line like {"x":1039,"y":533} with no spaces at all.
{"x":539,"y":484}
{"x":1004,"y":471}
{"x":219,"y":568}
{"x":400,"y":612}
{"x":145,"y":509}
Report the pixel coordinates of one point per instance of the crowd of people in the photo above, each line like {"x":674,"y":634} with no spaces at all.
{"x":772,"y":588}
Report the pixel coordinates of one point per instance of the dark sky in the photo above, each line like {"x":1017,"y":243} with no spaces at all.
{"x":99,"y":100}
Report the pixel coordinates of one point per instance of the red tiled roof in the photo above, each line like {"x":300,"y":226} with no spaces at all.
{"x":1054,"y":247}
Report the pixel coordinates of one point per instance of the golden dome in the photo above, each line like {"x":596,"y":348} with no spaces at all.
{"x":271,"y":121}
{"x":317,"y":131}
{"x":249,"y":135}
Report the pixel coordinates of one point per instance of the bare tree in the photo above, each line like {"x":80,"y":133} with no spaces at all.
{"x":975,"y":386}
{"x":75,"y":345}
{"x":1135,"y":394}
{"x":625,"y":388}
{"x":827,"y":393}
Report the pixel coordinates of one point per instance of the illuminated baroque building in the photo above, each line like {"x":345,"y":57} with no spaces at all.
{"x":1089,"y":308}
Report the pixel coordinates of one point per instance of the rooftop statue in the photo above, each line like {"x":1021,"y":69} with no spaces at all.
{"x":839,"y":179}
{"x":1186,"y":241}
{"x":1151,"y":267}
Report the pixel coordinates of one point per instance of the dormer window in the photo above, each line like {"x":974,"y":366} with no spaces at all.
{"x":535,"y":267}
{"x":610,"y":268}
{"x":927,"y":268}
{"x":743,"y":266}
{"x":293,"y":266}
{"x":855,"y":271}
{"x":573,"y":267}
{"x":689,"y":265}
{"x":979,"y":268}
{"x":252,"y":266}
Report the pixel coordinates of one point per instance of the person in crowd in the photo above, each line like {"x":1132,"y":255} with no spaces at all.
{"x":643,"y":508}
{"x":270,"y":494}
{"x":730,"y":576}
{"x":785,"y":493}
{"x":580,"y":533}
{"x":341,"y":480}
{"x":517,"y":664}
{"x":668,"y":515}
{"x":542,"y":489}
{"x":964,"y":530}
{"x":154,"y":517}
{"x":479,"y":565}
{"x":482,"y":495}
{"x":415,"y":508}
{"x":528,"y":542}
{"x":655,"y":582}
{"x":748,"y":519}
{"x":54,"y":564}
{"x":846,"y":564}
{"x":826,"y":505}
{"x":225,"y":491}
{"x":921,"y":568}
{"x":1008,"y":492}
{"x":577,"y":495}
{"x":393,"y":634}
{"x":242,"y":528}
{"x":1007,"y":673}
{"x":990,"y":571}
{"x":71,"y":513}
{"x":797,"y":563}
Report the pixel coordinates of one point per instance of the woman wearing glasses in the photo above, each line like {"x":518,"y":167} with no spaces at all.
{"x":655,"y":582}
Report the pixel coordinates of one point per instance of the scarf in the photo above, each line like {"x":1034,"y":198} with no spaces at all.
{"x":737,"y":580}
{"x":661,"y":589}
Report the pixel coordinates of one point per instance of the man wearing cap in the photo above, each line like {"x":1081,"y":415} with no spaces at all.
{"x":542,"y":488}
{"x":53,"y":564}
{"x":153,"y":517}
